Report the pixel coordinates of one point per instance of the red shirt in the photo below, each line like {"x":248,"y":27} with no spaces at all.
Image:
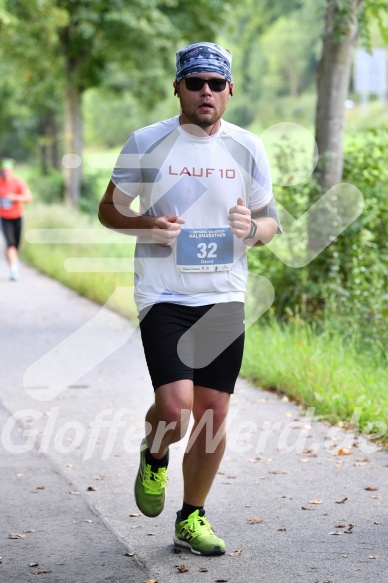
{"x":11,"y":209}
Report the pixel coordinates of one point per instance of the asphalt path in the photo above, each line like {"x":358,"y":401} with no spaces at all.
{"x":295,"y":499}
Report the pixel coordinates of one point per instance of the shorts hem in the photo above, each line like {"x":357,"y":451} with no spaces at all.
{"x":186,"y":377}
{"x":216,"y":387}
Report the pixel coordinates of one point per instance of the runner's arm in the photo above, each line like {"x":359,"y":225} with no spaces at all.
{"x":115,"y":213}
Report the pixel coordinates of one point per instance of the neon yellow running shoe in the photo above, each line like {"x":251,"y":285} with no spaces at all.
{"x":196,"y":534}
{"x":150,"y":485}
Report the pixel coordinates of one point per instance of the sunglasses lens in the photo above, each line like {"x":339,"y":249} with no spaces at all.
{"x":217,"y":84}
{"x":196,"y":84}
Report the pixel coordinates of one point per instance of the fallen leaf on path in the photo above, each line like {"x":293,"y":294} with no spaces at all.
{"x":40,"y":487}
{"x":335,"y":533}
{"x":203,"y":570}
{"x":316,"y":502}
{"x":41,"y":571}
{"x":151,"y":581}
{"x":282,"y":529}
{"x":15,"y":535}
{"x":361,"y":461}
{"x":342,"y":501}
{"x":236,"y":553}
{"x":33,"y":564}
{"x":134,"y":514}
{"x":101,"y":477}
{"x":304,"y":460}
{"x":277,"y":472}
{"x":130,"y":554}
{"x":222,"y":580}
{"x":182,"y":568}
{"x":255,"y":520}
{"x":374,"y":557}
{"x":350,"y":528}
{"x":306,"y":508}
{"x":74,"y":493}
{"x":371,"y":489}
{"x":343,"y":451}
{"x":91,"y":489}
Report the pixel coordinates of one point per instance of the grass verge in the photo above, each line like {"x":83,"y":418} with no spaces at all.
{"x":319,"y":370}
{"x":88,"y":261}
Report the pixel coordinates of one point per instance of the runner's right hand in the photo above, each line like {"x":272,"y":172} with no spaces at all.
{"x":166,"y":229}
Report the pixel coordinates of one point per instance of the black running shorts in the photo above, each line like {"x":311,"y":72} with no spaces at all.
{"x":201,"y":343}
{"x":12,"y":229}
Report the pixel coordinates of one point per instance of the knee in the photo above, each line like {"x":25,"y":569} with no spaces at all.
{"x":211,"y":417}
{"x":175,"y":414}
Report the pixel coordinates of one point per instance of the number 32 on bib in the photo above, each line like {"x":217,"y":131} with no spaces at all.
{"x":201,"y":250}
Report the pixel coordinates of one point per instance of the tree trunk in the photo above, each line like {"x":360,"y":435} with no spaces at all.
{"x":340,"y":38}
{"x":55,"y":155}
{"x":49,"y":142}
{"x":73,"y":144}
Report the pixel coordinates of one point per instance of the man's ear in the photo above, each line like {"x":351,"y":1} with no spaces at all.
{"x":175,"y":85}
{"x":231,"y":89}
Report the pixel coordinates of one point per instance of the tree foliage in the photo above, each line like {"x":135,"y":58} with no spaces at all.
{"x":82,"y":39}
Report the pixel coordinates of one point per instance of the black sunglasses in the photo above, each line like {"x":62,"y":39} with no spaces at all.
{"x":197,"y":83}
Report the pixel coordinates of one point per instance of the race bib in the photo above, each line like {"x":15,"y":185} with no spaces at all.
{"x":201,"y":250}
{"x":5,"y":203}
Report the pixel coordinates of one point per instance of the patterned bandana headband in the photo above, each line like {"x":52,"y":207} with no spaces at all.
{"x":203,"y":58}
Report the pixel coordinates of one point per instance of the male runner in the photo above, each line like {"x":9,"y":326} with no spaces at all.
{"x":205,"y":195}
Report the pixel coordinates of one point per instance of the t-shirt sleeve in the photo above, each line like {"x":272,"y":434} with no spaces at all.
{"x":20,"y":185}
{"x":127,"y":173}
{"x":261,"y":195}
{"x":261,"y":183}
{"x":269,"y":211}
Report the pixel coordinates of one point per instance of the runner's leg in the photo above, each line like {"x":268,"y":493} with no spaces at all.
{"x":168,"y":418}
{"x":206,"y":444}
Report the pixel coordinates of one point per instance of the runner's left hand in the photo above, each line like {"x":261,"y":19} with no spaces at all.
{"x":240,"y":219}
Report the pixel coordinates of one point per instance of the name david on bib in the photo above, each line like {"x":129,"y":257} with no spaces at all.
{"x":201,"y":250}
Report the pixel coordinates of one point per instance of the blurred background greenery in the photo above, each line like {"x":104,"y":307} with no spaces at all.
{"x":79,"y":77}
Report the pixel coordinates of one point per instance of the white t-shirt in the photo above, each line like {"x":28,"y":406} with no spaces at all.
{"x":198,"y":179}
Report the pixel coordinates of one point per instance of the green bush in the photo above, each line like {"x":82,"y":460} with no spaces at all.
{"x":47,"y":188}
{"x":346,"y":283}
{"x":356,"y":291}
